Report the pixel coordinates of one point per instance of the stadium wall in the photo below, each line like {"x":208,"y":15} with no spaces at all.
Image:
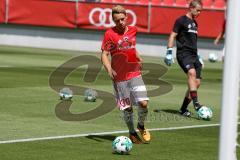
{"x":88,"y":40}
{"x":147,"y":18}
{"x":74,"y":25}
{"x":2,"y":11}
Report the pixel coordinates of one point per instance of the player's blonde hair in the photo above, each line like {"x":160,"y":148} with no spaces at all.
{"x":118,"y":9}
{"x":194,"y":3}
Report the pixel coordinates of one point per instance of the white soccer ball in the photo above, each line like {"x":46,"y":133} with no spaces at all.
{"x":122,"y":145}
{"x":212,"y":57}
{"x":66,"y":94}
{"x":205,"y":113}
{"x":90,"y":95}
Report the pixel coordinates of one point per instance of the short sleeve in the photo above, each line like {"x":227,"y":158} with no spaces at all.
{"x":107,"y":43}
{"x":104,"y":41}
{"x":177,"y":26}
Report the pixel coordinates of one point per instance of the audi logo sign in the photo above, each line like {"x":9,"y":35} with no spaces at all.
{"x":102,"y":17}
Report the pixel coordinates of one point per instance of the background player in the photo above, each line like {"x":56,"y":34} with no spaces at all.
{"x":185,"y":32}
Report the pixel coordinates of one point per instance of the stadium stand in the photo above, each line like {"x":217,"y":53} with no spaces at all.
{"x":119,"y":1}
{"x":106,"y":1}
{"x":143,"y":2}
{"x":219,"y":4}
{"x":131,"y":1}
{"x":157,"y":2}
{"x":168,"y":3}
{"x":183,"y":3}
{"x":209,"y":4}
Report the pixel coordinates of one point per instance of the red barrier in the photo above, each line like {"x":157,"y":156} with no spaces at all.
{"x":98,"y":16}
{"x":162,"y":19}
{"x":42,"y":12}
{"x":209,"y":21}
{"x":2,"y":11}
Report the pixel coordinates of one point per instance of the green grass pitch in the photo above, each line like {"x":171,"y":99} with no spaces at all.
{"x":28,"y":110}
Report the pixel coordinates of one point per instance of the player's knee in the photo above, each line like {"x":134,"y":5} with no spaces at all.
{"x":143,"y":104}
{"x":192,"y":73}
{"x":198,"y":83}
{"x":128,"y":109}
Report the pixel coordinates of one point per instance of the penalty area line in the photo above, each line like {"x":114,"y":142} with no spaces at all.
{"x":102,"y":133}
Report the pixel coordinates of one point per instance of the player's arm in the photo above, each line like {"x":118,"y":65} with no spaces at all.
{"x":220,"y":35}
{"x":107,"y":64}
{"x":218,"y":38}
{"x":140,"y":59}
{"x":171,"y":40}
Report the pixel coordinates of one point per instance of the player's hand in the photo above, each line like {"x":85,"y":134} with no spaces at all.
{"x":169,"y":60}
{"x":112,"y":73}
{"x":216,"y":41}
{"x":140,"y":60}
{"x":200,"y":60}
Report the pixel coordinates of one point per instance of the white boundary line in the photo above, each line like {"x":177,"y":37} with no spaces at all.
{"x":103,"y":133}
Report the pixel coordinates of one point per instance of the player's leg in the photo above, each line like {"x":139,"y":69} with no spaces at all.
{"x":128,"y":118}
{"x":142,"y":114}
{"x":192,"y":85}
{"x":139,"y":93}
{"x":122,"y":94}
{"x":184,"y":61}
{"x":194,"y":77}
{"x":192,"y":67}
{"x":186,"y":101}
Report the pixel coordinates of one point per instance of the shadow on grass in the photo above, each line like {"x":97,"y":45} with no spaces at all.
{"x":101,"y":138}
{"x":176,"y":112}
{"x":172,"y":111}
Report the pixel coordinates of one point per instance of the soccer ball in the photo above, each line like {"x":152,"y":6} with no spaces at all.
{"x":205,"y":113}
{"x":90,"y":95}
{"x":66,"y":94}
{"x":212,"y":57}
{"x":122,"y":145}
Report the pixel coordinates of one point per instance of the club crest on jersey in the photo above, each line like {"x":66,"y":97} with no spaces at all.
{"x":187,"y":66}
{"x":192,"y":28}
{"x":125,"y":43}
{"x":110,"y":46}
{"x":125,"y":39}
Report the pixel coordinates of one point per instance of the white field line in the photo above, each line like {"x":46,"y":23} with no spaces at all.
{"x":103,"y":133}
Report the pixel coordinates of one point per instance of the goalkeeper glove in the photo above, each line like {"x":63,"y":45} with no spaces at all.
{"x":200,"y":60}
{"x":169,"y":57}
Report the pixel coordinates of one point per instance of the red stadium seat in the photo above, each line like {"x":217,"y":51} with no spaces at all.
{"x":131,"y":1}
{"x":219,"y":4}
{"x":207,"y":3}
{"x":143,"y":1}
{"x":119,"y":1}
{"x":182,"y":3}
{"x":156,"y":2}
{"x":107,"y":1}
{"x":168,"y":2}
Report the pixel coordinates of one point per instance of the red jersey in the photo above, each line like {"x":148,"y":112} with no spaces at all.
{"x":123,"y":53}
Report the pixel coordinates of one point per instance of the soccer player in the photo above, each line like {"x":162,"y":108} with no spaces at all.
{"x":221,"y":35}
{"x":124,"y":70}
{"x":185,"y":32}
